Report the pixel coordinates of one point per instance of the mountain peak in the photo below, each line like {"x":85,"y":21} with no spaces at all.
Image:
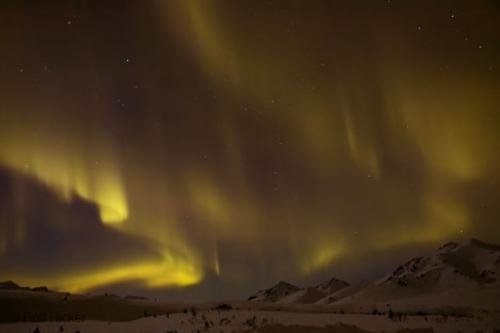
{"x":284,"y":284}
{"x":450,"y":246}
{"x":332,"y":285}
{"x":10,"y":285}
{"x":285,"y":292}
{"x":469,"y":262}
{"x":278,"y":291}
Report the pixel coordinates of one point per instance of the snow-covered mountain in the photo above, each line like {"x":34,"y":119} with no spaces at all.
{"x":314,"y":294}
{"x":332,"y":286}
{"x":456,"y":274}
{"x":284,"y":292}
{"x":452,"y":265}
{"x":275,"y":293}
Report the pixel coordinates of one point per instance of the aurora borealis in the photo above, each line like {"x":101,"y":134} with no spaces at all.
{"x":169,"y":144}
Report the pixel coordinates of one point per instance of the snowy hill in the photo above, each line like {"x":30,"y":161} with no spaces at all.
{"x":275,"y":293}
{"x":456,"y":274}
{"x":284,"y":292}
{"x":343,"y":293}
{"x":465,"y":274}
{"x":472,"y":263}
{"x":332,"y":286}
{"x":316,"y":293}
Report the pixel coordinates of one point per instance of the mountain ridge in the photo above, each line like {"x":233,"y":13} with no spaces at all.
{"x":460,"y":270}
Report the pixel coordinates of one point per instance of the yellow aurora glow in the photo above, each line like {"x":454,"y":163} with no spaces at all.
{"x":170,"y":271}
{"x":242,"y":141}
{"x":69,"y":174}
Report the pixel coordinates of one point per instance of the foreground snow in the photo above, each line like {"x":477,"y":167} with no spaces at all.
{"x":244,"y":320}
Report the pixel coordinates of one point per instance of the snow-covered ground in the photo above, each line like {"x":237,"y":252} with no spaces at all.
{"x":244,"y":320}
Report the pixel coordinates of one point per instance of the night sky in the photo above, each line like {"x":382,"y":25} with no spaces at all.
{"x":199,"y":149}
